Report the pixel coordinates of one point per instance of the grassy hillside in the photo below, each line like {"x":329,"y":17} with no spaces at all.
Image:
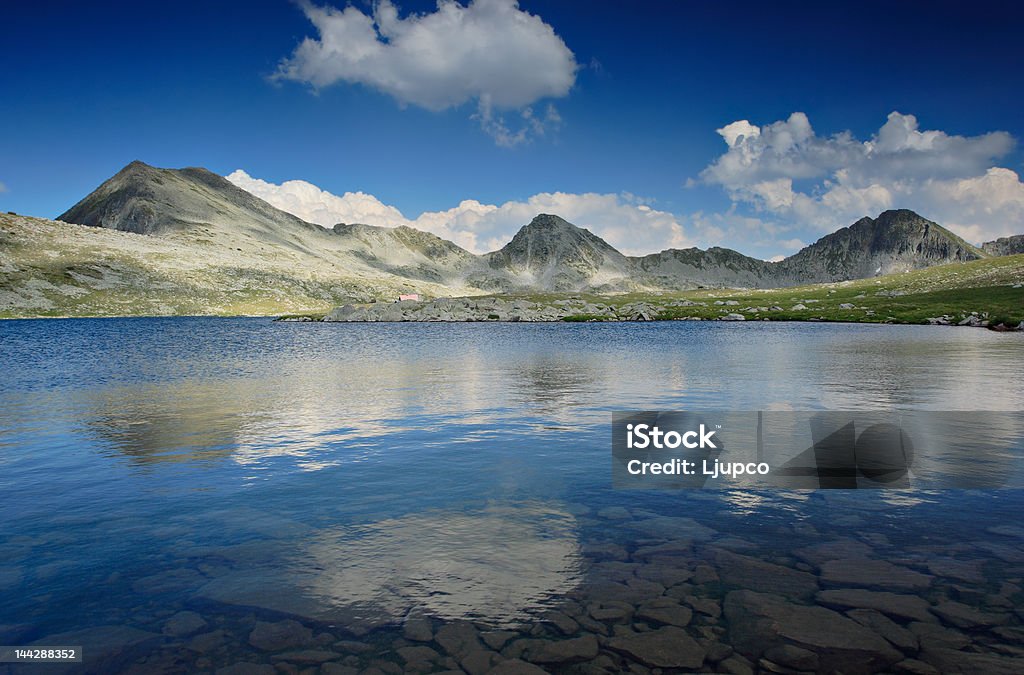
{"x":991,"y":288}
{"x":51,"y":268}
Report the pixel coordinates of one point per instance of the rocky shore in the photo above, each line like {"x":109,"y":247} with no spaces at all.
{"x":499,"y":309}
{"x":576,"y":308}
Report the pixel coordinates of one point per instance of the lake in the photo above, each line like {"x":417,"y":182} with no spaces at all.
{"x":190,"y":494}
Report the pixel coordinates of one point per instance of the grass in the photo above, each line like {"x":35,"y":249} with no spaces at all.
{"x":983,"y":287}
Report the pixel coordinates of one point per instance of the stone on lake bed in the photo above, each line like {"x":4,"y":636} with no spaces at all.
{"x":893,"y":604}
{"x":792,"y":657}
{"x":956,"y":661}
{"x":573,"y":650}
{"x":306,"y":657}
{"x":664,"y":611}
{"x":755,"y":574}
{"x":965,"y":616}
{"x":478,"y":662}
{"x":674,"y":527}
{"x":273,"y":637}
{"x":873,"y":574}
{"x":496,"y":639}
{"x":417,"y":653}
{"x":516,"y":667}
{"x":610,"y":611}
{"x":458,"y":639}
{"x":665,"y":574}
{"x":846,"y":548}
{"x":759,"y":621}
{"x":964,"y":570}
{"x":933,"y":635}
{"x":184,"y":623}
{"x":668,"y":647}
{"x":418,"y":629}
{"x":205,"y":643}
{"x":247,"y":668}
{"x":902,"y":638}
{"x":915,"y":667}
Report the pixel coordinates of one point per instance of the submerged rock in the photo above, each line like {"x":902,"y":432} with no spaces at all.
{"x":955,"y":661}
{"x":574,"y":650}
{"x":761,"y":621}
{"x":247,"y":668}
{"x":893,"y":604}
{"x":965,"y":616}
{"x":516,"y":667}
{"x":873,"y":574}
{"x":755,"y":574}
{"x":668,"y":647}
{"x":184,"y":623}
{"x":664,"y":611}
{"x":273,"y":637}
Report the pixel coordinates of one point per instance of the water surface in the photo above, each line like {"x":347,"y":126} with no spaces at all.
{"x":354,"y":475}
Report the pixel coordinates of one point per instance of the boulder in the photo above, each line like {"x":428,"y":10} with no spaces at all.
{"x":664,"y":611}
{"x":417,"y":628}
{"x":275,"y":637}
{"x":965,"y":616}
{"x":459,"y":639}
{"x":247,"y":668}
{"x":970,"y":663}
{"x":183,"y":624}
{"x":900,"y":637}
{"x":668,"y":647}
{"x":893,"y":604}
{"x":516,"y":667}
{"x":757,"y":575}
{"x":760,"y":621}
{"x":575,"y":650}
{"x":873,"y":574}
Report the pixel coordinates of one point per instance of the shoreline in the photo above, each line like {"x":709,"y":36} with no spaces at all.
{"x":320,"y":318}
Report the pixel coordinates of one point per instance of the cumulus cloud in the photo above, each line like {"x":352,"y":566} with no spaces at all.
{"x":788,"y":171}
{"x":314,"y":205}
{"x":489,"y":51}
{"x":623,"y":220}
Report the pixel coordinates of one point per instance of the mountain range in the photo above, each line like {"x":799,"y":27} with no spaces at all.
{"x":166,"y":235}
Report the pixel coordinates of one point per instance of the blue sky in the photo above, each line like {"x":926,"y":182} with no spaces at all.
{"x":395,"y":113}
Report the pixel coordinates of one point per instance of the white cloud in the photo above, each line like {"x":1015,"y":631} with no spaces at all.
{"x":314,"y":205}
{"x":3,"y":188}
{"x":984,"y":207}
{"x":733,"y":133}
{"x":489,"y":51}
{"x":785,"y":169}
{"x":622,"y":220}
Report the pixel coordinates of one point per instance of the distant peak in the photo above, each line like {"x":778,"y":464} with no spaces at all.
{"x":136,"y":166}
{"x":894,"y":214}
{"x":549,"y":221}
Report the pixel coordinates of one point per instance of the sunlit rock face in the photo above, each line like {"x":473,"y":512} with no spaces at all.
{"x":496,"y":566}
